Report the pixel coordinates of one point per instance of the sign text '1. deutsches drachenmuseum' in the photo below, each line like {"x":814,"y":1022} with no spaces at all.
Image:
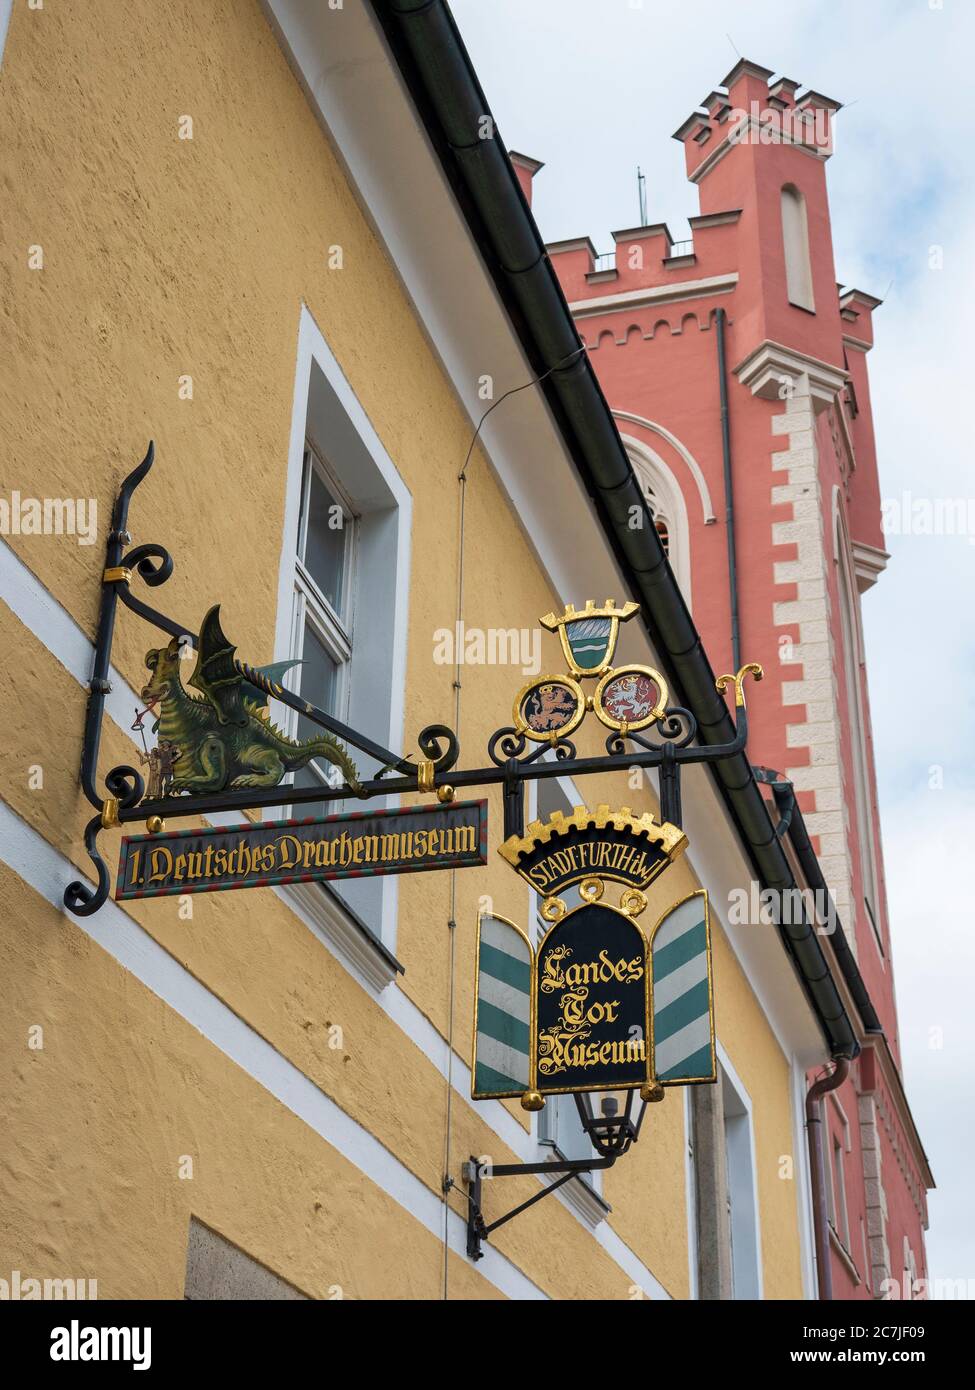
{"x":357,"y":845}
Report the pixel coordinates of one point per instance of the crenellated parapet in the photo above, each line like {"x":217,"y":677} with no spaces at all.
{"x":748,"y":108}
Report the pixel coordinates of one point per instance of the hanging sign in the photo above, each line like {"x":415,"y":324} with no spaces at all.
{"x":599,"y":1004}
{"x":602,"y":843}
{"x":592,"y":999}
{"x":361,"y":844}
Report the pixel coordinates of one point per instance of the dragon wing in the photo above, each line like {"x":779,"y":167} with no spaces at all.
{"x":216,"y":675}
{"x":274,"y":671}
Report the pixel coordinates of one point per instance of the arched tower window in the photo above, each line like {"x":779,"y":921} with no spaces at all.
{"x":666,"y":505}
{"x":660,"y":519}
{"x":795,"y":240}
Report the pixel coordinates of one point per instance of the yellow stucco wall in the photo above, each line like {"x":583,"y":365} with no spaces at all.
{"x":164,"y":257}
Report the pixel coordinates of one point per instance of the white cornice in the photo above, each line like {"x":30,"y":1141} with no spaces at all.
{"x":770,"y":364}
{"x":714,"y":219}
{"x":869,"y":563}
{"x":654,"y":229}
{"x":656,"y":294}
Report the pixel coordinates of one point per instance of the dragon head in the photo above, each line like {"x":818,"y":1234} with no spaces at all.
{"x":163,"y":662}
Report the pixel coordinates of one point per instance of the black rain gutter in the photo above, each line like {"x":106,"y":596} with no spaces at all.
{"x":443,"y":85}
{"x":793,"y":824}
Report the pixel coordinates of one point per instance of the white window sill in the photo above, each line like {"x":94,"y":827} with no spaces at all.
{"x":348,"y":938}
{"x":578,"y":1193}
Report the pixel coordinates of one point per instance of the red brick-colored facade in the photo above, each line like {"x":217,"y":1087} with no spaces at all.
{"x":807,"y":530}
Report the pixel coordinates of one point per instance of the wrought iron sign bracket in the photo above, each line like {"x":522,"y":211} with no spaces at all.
{"x":473,"y":1174}
{"x":126,"y":799}
{"x":516,"y":752}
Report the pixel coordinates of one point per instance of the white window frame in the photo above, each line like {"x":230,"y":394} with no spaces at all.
{"x":383,"y":508}
{"x":668,"y":505}
{"x":335,"y":631}
{"x":746,"y":1234}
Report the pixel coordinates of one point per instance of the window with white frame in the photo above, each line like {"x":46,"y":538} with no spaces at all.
{"x":667,"y":508}
{"x":343,"y":595}
{"x":324,"y":607}
{"x":661,"y":521}
{"x":741,"y":1196}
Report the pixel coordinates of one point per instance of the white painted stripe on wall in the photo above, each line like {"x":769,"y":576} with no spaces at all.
{"x":53,"y":626}
{"x":28,"y":854}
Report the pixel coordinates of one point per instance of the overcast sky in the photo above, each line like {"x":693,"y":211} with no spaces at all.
{"x":595,"y":88}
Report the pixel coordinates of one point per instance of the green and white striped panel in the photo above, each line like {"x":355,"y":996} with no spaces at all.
{"x":502,"y":1022}
{"x":682,"y":1024}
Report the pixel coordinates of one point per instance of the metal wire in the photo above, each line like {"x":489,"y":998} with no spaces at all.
{"x":452,"y":921}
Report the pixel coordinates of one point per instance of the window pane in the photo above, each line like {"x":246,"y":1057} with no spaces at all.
{"x":319,"y":686}
{"x":325,"y":541}
{"x":319,"y":681}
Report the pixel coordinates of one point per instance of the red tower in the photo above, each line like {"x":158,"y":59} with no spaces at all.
{"x":736,"y":369}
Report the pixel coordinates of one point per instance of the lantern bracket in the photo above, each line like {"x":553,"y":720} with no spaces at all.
{"x":474,"y":1171}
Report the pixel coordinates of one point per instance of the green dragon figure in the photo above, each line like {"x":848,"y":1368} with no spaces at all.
{"x":226,"y":739}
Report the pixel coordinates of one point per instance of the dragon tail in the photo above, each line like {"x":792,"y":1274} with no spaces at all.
{"x":332,"y":751}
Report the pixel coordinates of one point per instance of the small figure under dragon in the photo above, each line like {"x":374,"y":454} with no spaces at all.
{"x":225,"y":739}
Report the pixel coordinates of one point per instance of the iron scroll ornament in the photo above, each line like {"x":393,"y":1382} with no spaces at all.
{"x":125,"y":786}
{"x":514,"y":758}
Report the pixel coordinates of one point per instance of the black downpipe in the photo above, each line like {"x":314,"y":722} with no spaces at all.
{"x":729,"y":495}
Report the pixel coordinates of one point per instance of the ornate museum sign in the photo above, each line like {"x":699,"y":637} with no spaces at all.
{"x":599,"y":1005}
{"x":358,"y":845}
